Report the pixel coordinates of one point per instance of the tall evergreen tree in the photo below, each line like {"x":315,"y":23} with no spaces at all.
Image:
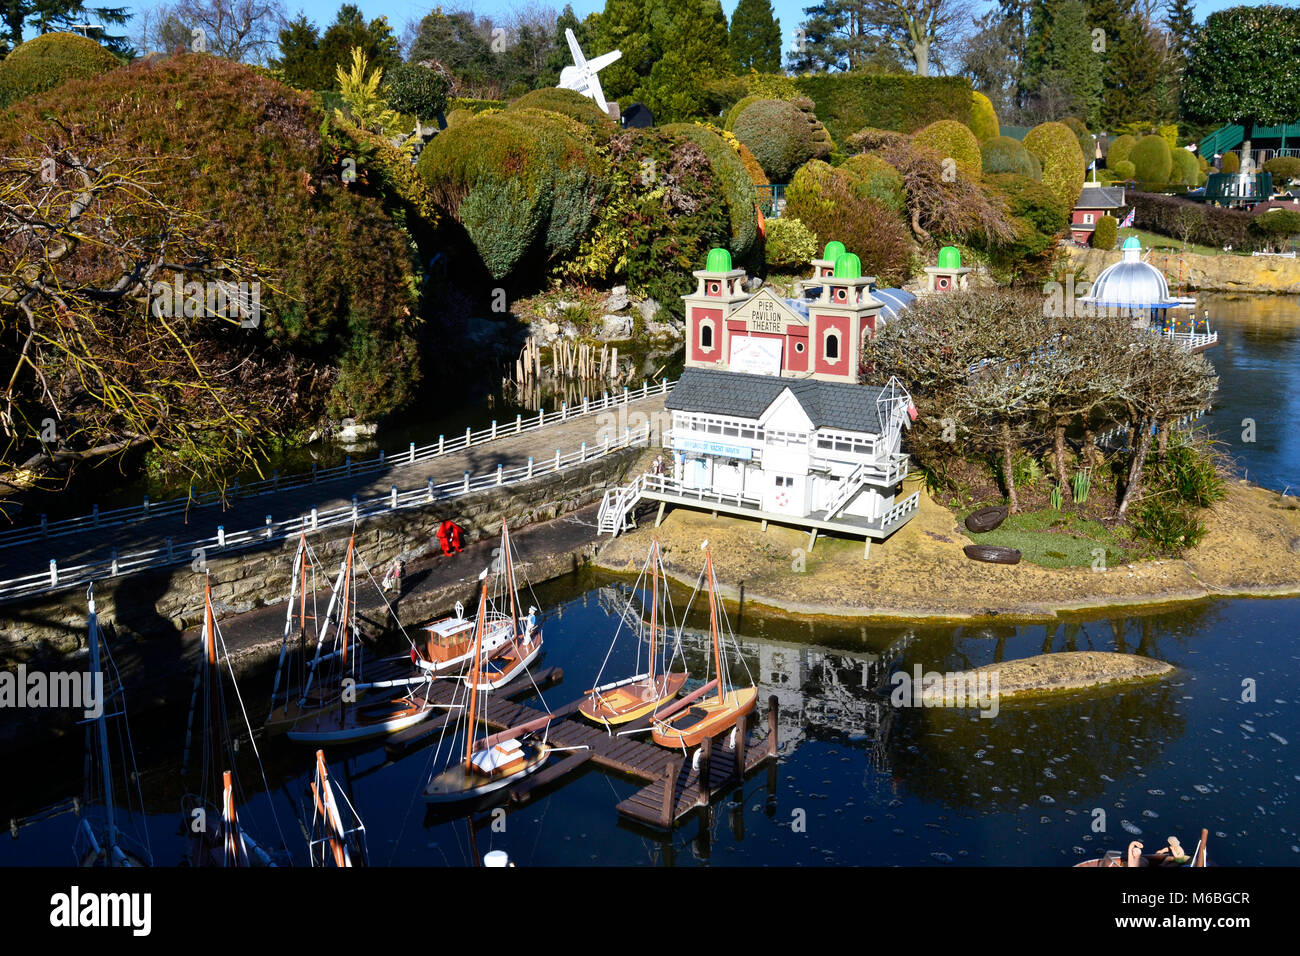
{"x":350,"y":29}
{"x":836,"y":36}
{"x":1180,"y":19}
{"x":299,"y":58}
{"x":755,"y":37}
{"x":695,"y":49}
{"x":45,"y":16}
{"x":1062,"y":70}
{"x":1136,"y":91}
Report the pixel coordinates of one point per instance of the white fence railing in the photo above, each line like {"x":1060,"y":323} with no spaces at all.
{"x":197,"y":551}
{"x":412,"y":455}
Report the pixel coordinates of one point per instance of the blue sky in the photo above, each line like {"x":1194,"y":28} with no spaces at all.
{"x":399,"y":12}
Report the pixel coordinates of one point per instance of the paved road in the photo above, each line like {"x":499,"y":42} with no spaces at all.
{"x":247,"y":513}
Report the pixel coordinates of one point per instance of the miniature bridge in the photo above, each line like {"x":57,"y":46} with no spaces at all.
{"x":52,"y":556}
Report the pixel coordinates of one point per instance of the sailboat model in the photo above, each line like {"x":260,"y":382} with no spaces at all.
{"x":511,"y":659}
{"x":332,"y":842}
{"x":351,"y":719}
{"x":211,"y":815}
{"x":496,"y":761}
{"x":630,"y":699}
{"x":686,"y":723}
{"x":100,"y":839}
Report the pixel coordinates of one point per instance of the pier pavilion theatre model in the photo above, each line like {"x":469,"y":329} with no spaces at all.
{"x":768,"y":421}
{"x":1139,"y":291}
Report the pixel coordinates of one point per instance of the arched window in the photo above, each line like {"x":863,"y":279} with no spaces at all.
{"x":706,"y":335}
{"x":833,"y":346}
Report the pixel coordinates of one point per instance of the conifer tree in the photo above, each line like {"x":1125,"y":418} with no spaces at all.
{"x":755,"y":37}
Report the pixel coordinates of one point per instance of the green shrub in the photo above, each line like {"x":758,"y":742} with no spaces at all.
{"x":567,"y":103}
{"x":1169,"y":133}
{"x":1120,"y":148}
{"x":878,"y":180}
{"x":49,"y":60}
{"x":737,"y":186}
{"x":772,"y":86}
{"x":1152,"y":160}
{"x":1187,"y":473}
{"x":740,"y":106}
{"x":415,"y":89}
{"x":1215,"y":227}
{"x":827,"y":200}
{"x":473,"y":105}
{"x":1006,"y":155}
{"x":848,"y":102}
{"x":516,"y":181}
{"x":1170,"y":528}
{"x":1106,"y":233}
{"x":1040,"y":218}
{"x":1183,"y":170}
{"x":1123,"y":169}
{"x":1276,"y":225}
{"x":983,"y":118}
{"x":952,"y":140}
{"x":1087,"y":142}
{"x":263,"y":163}
{"x":870,"y":139}
{"x":790,"y":245}
{"x":1057,"y":149}
{"x":1283,"y":168}
{"x":1230,"y":163}
{"x":782,"y":135}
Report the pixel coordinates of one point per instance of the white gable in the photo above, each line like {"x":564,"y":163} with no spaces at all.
{"x":786,"y":414}
{"x":765,"y":312}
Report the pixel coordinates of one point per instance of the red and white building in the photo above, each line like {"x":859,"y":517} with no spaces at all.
{"x":1094,"y":202}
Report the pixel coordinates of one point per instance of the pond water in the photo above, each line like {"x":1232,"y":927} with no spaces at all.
{"x":859,"y":781}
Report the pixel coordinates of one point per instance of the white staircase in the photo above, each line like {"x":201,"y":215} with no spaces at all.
{"x":847,"y":488}
{"x":615,"y":515}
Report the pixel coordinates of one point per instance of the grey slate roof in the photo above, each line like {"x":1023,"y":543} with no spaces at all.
{"x":1100,"y":197}
{"x":829,"y":404}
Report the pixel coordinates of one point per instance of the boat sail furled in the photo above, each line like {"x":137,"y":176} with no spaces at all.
{"x":690,"y":720}
{"x":635,"y":697}
{"x":496,"y":761}
{"x":102,"y":837}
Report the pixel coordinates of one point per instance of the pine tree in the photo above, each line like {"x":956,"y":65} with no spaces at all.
{"x":755,"y":37}
{"x":299,"y":58}
{"x":1062,"y":71}
{"x":1180,"y":19}
{"x":694,"y":41}
{"x":45,"y":16}
{"x":835,"y":36}
{"x":1138,"y":69}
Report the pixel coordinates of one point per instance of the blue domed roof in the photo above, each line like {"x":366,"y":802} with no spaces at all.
{"x":1130,"y":283}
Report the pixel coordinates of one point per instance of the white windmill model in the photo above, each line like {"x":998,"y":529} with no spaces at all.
{"x":581,"y":77}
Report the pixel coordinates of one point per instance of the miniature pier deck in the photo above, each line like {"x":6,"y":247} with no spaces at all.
{"x":675,"y":784}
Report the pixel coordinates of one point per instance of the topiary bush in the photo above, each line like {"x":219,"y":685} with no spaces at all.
{"x":417,"y":90}
{"x":782,"y":136}
{"x":1006,"y":155}
{"x":567,"y":103}
{"x":1040,"y":219}
{"x":847,"y":102}
{"x":1120,"y":148}
{"x":737,"y":186}
{"x":1230,"y":163}
{"x":1283,"y":168}
{"x":790,"y":245}
{"x":1183,"y":169}
{"x":1124,"y":170}
{"x":740,"y":106}
{"x":1152,"y":160}
{"x":827,"y":200}
{"x":1087,"y":142}
{"x":983,"y":118}
{"x":49,"y":60}
{"x":952,"y":140}
{"x":756,"y":174}
{"x":518,"y":181}
{"x":1055,"y":146}
{"x":878,"y":180}
{"x":1106,"y":233}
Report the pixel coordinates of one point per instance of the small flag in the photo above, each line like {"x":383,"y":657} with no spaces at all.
{"x":1128,"y":220}
{"x":1092,"y":165}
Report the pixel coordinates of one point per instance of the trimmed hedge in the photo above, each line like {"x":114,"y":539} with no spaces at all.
{"x":1119,"y":150}
{"x":1123,"y":169}
{"x":848,"y":102}
{"x":50,"y":60}
{"x":1152,"y":159}
{"x":1106,"y":233}
{"x":782,"y":135}
{"x":1283,"y":168}
{"x":827,"y":200}
{"x":1217,"y":227}
{"x":1183,"y":171}
{"x":983,"y":117}
{"x":516,"y":181}
{"x":756,"y":174}
{"x":473,"y":105}
{"x":1055,"y":146}
{"x":1087,"y":142}
{"x":567,"y":103}
{"x":952,"y":140}
{"x":737,"y":186}
{"x":1006,"y":155}
{"x":1230,"y":163}
{"x":878,"y":180}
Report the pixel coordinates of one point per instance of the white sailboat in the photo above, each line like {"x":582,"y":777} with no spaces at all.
{"x":103,"y":837}
{"x":511,"y":659}
{"x":333,"y":843}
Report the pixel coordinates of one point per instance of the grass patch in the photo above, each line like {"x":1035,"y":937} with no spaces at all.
{"x":1056,"y":539}
{"x":1153,"y":240}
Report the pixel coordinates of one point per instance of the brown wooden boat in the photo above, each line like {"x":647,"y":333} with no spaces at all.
{"x":637,"y":696}
{"x":682,"y":726}
{"x":1171,"y":855}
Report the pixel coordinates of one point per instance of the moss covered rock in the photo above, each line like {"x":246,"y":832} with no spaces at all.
{"x":50,"y":60}
{"x":1056,"y":148}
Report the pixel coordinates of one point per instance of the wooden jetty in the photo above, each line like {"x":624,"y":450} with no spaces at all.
{"x":676,"y":783}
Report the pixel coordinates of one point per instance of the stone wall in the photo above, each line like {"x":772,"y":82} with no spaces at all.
{"x":1207,"y":273}
{"x":165,"y":602}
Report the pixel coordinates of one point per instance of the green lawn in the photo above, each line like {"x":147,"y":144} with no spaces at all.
{"x":1153,"y":240}
{"x":1056,"y":539}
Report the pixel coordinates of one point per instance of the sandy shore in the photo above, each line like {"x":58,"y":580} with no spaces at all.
{"x":1061,"y":671}
{"x":1251,"y":548}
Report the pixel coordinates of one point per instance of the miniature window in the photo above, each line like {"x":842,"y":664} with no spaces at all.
{"x":832,"y":346}
{"x":706,"y":335}
{"x":713,"y":288}
{"x":1087,"y":218}
{"x":798,"y":347}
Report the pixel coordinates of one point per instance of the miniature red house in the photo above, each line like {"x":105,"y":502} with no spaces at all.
{"x":1094,"y":202}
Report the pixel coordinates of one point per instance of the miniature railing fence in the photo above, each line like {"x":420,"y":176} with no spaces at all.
{"x":412,"y":455}
{"x":1116,"y":438}
{"x":771,"y":200}
{"x":197,"y":551}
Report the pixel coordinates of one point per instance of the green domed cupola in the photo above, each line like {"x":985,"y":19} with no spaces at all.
{"x":949,"y":257}
{"x":834,"y":249}
{"x":847,"y":266}
{"x":719,"y":261}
